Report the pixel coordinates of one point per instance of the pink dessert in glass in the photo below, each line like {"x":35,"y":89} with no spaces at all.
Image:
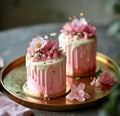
{"x":46,"y":68}
{"x":79,"y":42}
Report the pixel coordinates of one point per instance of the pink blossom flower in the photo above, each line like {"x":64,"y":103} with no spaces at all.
{"x":30,"y":51}
{"x":49,"y":57}
{"x":107,"y":79}
{"x":43,"y":49}
{"x":49,"y":47}
{"x":88,"y":31}
{"x":79,"y":26}
{"x":37,"y":43}
{"x":43,"y":56}
{"x":78,"y":93}
{"x":55,"y":55}
{"x":68,"y":27}
{"x":78,"y":29}
{"x":36,"y":58}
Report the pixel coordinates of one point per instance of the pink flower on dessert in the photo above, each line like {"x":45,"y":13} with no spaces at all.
{"x":43,"y":49}
{"x":78,"y":93}
{"x":50,"y":48}
{"x":107,"y":79}
{"x":79,"y":27}
{"x":88,"y":31}
{"x":69,"y":27}
{"x":55,"y":54}
{"x":31,"y":51}
{"x":36,"y":58}
{"x":37,"y":43}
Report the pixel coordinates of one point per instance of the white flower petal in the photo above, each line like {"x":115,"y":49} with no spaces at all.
{"x":80,"y":22}
{"x":75,"y":21}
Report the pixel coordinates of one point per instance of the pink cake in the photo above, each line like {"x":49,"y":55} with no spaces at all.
{"x":46,"y":68}
{"x":78,"y":40}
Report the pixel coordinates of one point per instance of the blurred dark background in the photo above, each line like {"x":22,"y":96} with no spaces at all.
{"x":15,"y":13}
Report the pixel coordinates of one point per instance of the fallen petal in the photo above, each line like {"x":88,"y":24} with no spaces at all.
{"x":81,"y":86}
{"x":73,"y":87}
{"x":81,"y":92}
{"x":87,"y":96}
{"x":97,"y":83}
{"x":93,"y":82}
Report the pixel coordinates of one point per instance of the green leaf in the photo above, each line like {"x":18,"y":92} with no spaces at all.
{"x":112,"y":6}
{"x":109,"y":6}
{"x":118,"y":35}
{"x":117,"y":8}
{"x":114,"y":27}
{"x":110,"y":108}
{"x":117,"y":59}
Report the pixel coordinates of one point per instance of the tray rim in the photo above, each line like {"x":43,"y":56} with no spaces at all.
{"x":58,"y":107}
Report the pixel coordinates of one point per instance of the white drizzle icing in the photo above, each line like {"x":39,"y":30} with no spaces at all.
{"x":42,"y":68}
{"x":74,"y":43}
{"x":46,"y":85}
{"x":71,"y":45}
{"x":76,"y":61}
{"x":40,"y":65}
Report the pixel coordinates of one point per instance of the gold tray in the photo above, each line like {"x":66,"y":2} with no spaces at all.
{"x":13,"y":78}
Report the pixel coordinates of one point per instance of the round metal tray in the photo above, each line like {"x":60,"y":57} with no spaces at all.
{"x":13,"y":78}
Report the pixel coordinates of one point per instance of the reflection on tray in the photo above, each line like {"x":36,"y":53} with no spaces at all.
{"x":14,"y":77}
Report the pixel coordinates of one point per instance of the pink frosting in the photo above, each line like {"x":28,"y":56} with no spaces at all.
{"x":42,"y":49}
{"x":79,"y":27}
{"x":49,"y":81}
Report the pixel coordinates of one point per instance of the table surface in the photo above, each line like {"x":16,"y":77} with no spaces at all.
{"x":14,"y":43}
